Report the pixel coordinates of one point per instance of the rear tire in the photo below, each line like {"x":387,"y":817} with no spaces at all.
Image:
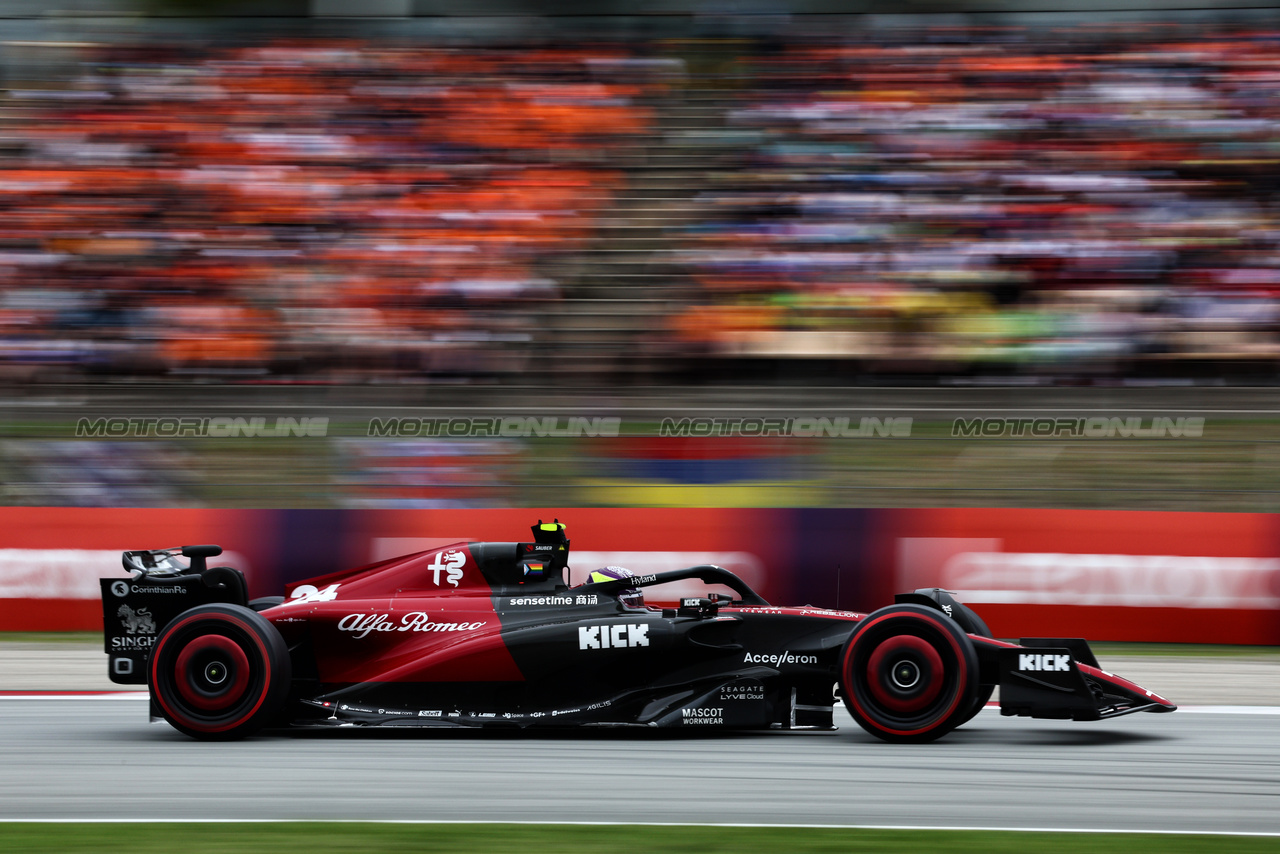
{"x":219,"y":672}
{"x":978,"y":627}
{"x":909,"y":674}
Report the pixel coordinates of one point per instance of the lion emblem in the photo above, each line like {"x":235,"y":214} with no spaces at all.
{"x":136,"y":622}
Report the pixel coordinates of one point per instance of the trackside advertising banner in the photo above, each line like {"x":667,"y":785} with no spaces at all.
{"x":1125,"y":576}
{"x":1103,"y":575}
{"x":51,"y":557}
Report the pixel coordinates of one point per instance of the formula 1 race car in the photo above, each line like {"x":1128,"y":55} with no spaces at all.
{"x":490,"y":635}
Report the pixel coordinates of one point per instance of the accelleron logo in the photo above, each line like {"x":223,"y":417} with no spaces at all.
{"x":784,"y":657}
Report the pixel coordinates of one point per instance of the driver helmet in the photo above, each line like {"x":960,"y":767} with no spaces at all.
{"x":631,"y":597}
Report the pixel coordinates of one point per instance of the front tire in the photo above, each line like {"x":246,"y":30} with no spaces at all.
{"x":909,"y":674}
{"x":219,"y":672}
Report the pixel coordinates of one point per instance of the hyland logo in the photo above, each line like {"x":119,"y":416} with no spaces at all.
{"x":784,"y":657}
{"x":1038,"y":661}
{"x":452,"y":563}
{"x":621,"y":636}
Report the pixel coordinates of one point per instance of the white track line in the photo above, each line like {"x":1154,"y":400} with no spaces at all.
{"x":427,"y":822}
{"x":105,"y":695}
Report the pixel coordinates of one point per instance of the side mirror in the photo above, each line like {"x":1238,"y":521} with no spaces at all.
{"x":199,"y":555}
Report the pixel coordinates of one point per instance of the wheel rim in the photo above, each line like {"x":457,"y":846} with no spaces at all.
{"x":905,"y":671}
{"x":211,"y":673}
{"x":905,"y":674}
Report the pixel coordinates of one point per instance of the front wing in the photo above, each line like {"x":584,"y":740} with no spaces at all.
{"x":1059,"y":678}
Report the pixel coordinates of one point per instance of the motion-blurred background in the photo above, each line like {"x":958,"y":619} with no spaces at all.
{"x":665,"y":198}
{"x":342,"y":210}
{"x":400,"y":264}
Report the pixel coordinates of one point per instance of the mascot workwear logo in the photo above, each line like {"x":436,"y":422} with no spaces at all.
{"x":1039,"y":661}
{"x":452,"y":563}
{"x":702,"y":716}
{"x":621,"y":636}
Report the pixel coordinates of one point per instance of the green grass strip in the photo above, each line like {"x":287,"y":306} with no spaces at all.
{"x":345,"y":838}
{"x":73,"y":638}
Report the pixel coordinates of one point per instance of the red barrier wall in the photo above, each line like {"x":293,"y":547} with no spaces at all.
{"x":1126,"y":576}
{"x":51,"y":557}
{"x":1123,"y":576}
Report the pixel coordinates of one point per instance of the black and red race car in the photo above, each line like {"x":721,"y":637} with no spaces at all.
{"x":490,"y":635}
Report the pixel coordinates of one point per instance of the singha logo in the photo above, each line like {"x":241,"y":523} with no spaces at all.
{"x":136,"y":622}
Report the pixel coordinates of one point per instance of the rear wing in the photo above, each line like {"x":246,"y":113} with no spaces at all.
{"x":162,"y":586}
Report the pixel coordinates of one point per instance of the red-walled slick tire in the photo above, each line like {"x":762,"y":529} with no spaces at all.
{"x":219,"y":672}
{"x":978,"y":627}
{"x":909,"y":674}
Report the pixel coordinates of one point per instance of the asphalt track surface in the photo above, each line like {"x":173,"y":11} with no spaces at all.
{"x":1196,"y":770}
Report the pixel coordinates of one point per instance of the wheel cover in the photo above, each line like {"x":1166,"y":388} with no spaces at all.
{"x":905,"y":674}
{"x":212,"y":673}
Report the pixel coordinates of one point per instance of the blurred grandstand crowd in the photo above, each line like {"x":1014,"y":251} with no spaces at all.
{"x":317,"y":209}
{"x":938,"y":201}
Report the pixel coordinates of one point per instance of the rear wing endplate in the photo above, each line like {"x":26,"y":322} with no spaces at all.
{"x":136,"y":610}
